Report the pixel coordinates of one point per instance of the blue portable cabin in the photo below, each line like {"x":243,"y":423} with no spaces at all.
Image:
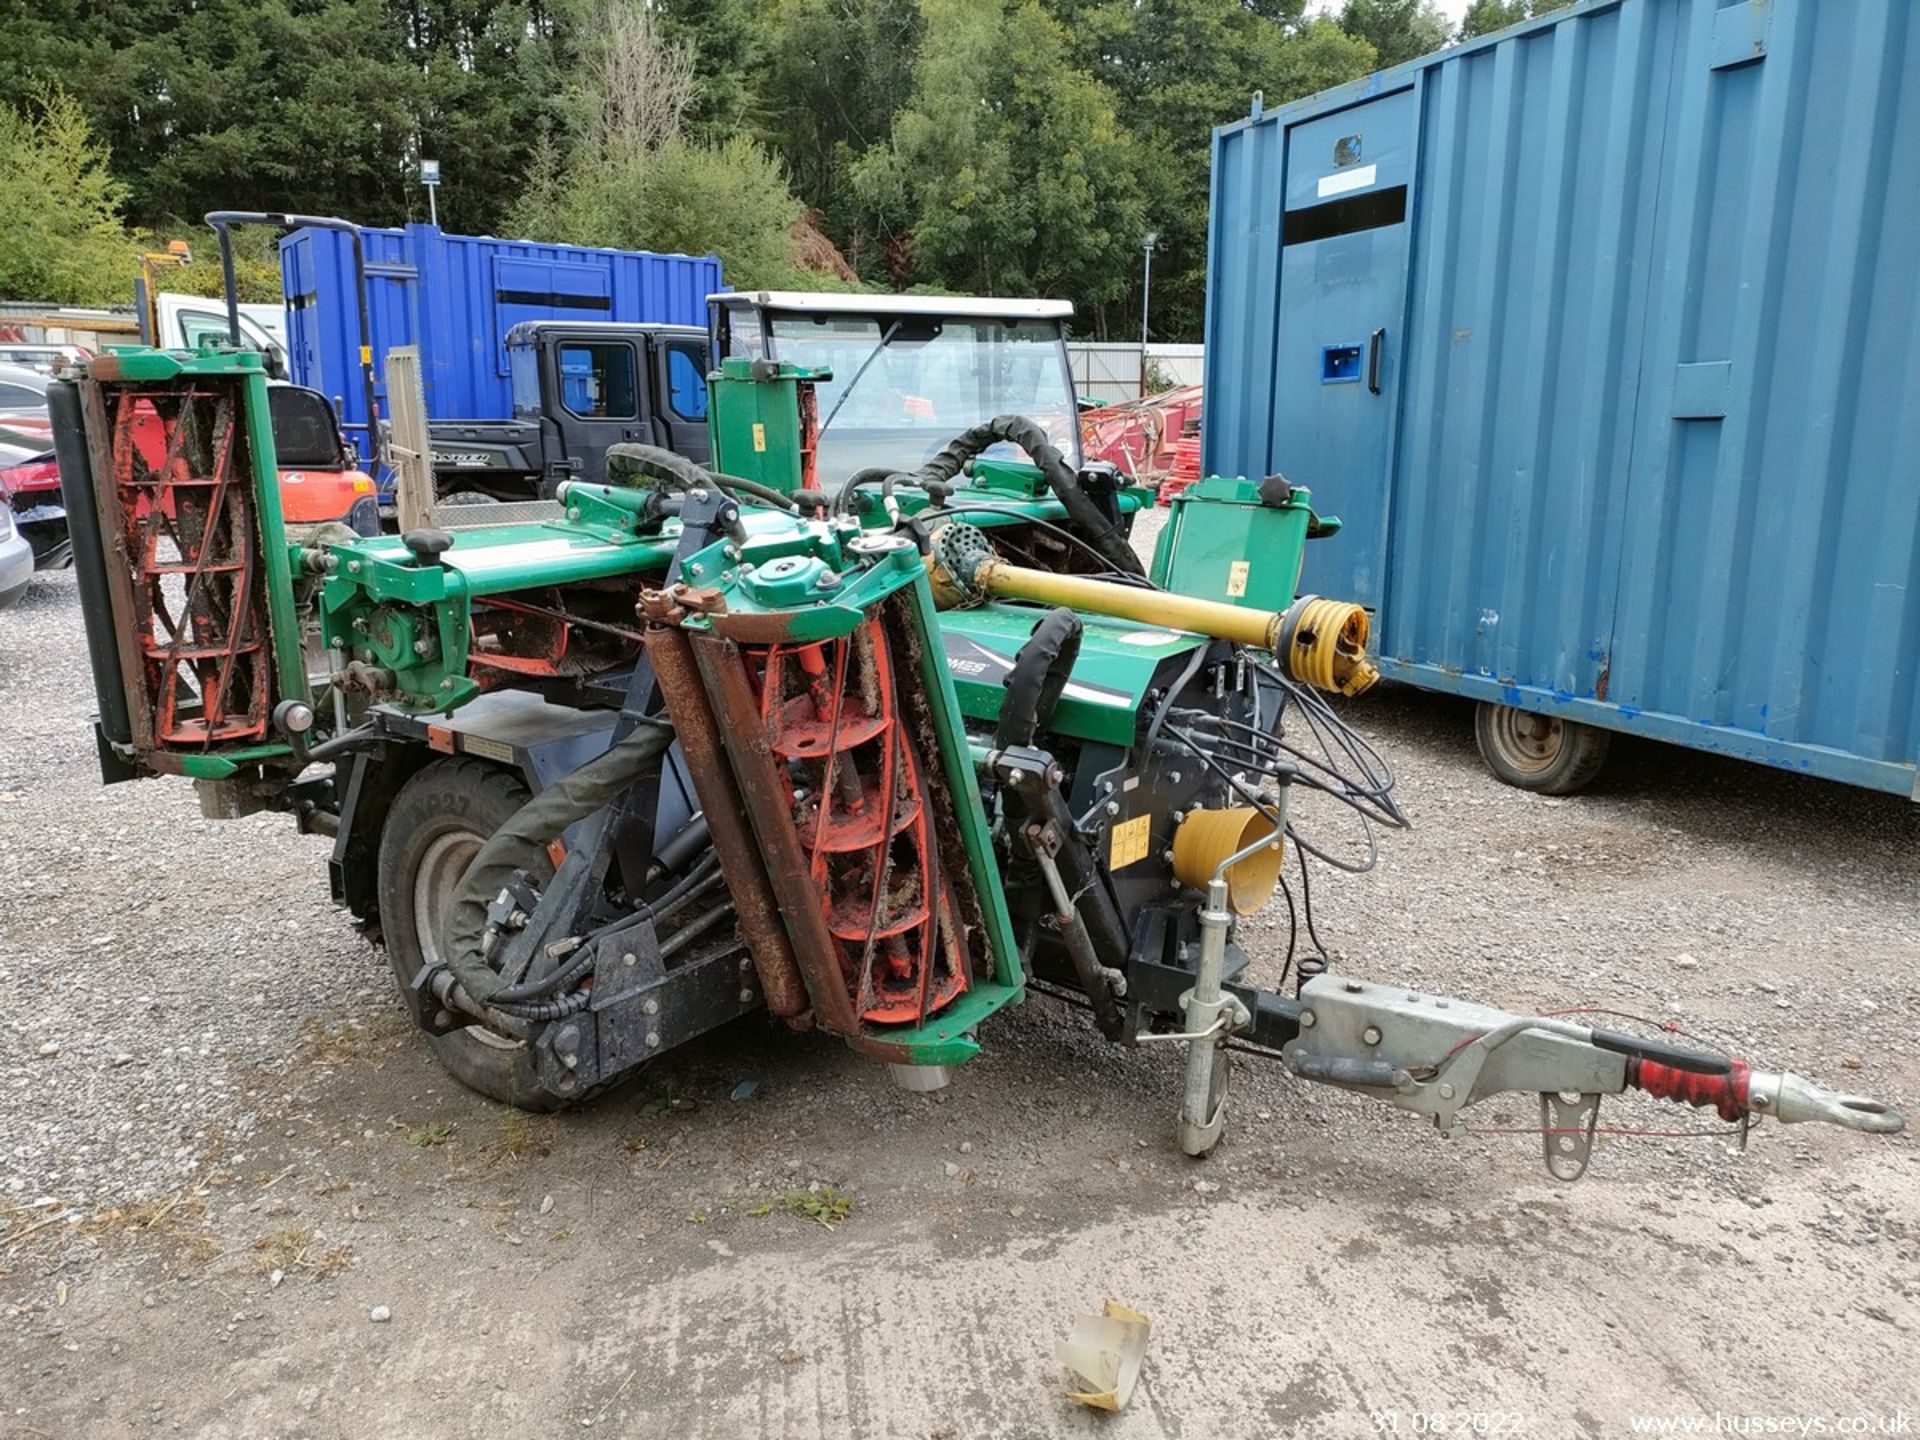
{"x":456,"y":297}
{"x":1602,"y":335}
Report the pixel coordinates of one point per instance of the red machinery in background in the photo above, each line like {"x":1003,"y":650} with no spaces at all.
{"x":1154,"y":440}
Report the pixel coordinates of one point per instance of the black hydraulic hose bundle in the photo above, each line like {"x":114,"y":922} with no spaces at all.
{"x":521,"y":844}
{"x":629,"y":462}
{"x":881,"y":475}
{"x":1103,"y":534}
{"x":1031,"y":436}
{"x":637,"y":466}
{"x":1039,"y":675}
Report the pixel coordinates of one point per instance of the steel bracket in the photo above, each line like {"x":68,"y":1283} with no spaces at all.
{"x":1435,"y":1056}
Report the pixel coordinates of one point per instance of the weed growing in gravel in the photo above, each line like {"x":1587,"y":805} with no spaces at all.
{"x":294,"y":1249}
{"x":333,"y":1042}
{"x":427,"y":1136}
{"x":825,"y":1206}
{"x":521,"y":1137}
{"x":665,"y":1102}
{"x":176,"y":1226}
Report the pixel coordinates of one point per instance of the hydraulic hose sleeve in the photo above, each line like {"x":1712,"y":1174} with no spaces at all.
{"x":634,"y":466}
{"x":1040,"y":672}
{"x":641,"y":467}
{"x":521,"y":844}
{"x":1103,"y":533}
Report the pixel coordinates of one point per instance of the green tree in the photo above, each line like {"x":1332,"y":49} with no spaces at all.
{"x":631,"y":178}
{"x":1483,"y":17}
{"x":726,"y":40}
{"x":729,"y":199}
{"x":836,"y":74}
{"x":1176,"y":69}
{"x":295,"y":105}
{"x":1398,"y":30}
{"x":1009,"y":173}
{"x":61,"y":236}
{"x":491,"y":77}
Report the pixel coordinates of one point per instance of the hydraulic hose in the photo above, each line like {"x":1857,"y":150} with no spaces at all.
{"x":1040,"y":672}
{"x":639,"y":467}
{"x":881,"y":475}
{"x":630,"y":463}
{"x":1032,"y":437}
{"x":521,"y":844}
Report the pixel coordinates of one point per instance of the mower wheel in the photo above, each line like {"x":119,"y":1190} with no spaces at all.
{"x":1542,"y":753}
{"x":438,"y":822}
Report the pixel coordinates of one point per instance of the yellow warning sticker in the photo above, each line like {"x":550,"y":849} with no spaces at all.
{"x":759,"y":438}
{"x":1130,"y":841}
{"x":1237,"y":577}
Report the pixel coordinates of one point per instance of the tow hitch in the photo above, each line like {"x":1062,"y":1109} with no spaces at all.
{"x":1436,"y":1056}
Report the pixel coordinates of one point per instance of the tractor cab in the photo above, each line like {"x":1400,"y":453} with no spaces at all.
{"x":908,"y":371}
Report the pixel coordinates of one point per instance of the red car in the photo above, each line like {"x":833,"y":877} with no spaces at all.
{"x":320,"y":481}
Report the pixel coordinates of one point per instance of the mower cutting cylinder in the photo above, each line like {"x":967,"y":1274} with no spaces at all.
{"x":755,"y":905}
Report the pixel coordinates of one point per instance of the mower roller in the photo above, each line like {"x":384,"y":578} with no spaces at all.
{"x":877,"y":762}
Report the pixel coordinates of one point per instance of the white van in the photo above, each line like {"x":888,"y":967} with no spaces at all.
{"x":189,"y":321}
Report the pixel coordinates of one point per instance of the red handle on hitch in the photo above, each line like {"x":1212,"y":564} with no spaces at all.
{"x":1725,"y":1093}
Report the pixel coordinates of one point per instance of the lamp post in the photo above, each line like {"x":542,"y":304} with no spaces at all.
{"x":1147,"y":242}
{"x":430,"y":177}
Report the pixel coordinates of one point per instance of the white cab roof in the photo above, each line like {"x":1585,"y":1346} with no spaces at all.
{"x":855,"y":303}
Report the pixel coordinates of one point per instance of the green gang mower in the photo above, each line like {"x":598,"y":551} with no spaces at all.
{"x":875,"y":755}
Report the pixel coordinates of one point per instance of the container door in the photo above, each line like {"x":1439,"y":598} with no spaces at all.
{"x":1343,"y":269}
{"x":540,"y":289}
{"x":1773,"y":517}
{"x":393,"y":310}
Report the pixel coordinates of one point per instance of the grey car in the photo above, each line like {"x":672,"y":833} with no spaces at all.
{"x":23,"y":388}
{"x":23,"y":393}
{"x":16,"y":560}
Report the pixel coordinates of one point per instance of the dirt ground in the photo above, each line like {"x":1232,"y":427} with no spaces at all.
{"x":239,"y":1156}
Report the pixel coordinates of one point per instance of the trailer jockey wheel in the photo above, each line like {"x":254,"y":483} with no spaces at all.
{"x":439,"y":821}
{"x":1543,"y":753}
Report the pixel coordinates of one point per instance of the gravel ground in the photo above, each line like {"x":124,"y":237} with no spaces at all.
{"x":238,"y":1198}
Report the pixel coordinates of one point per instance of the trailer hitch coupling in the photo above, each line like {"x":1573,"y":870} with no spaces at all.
{"x":1436,"y":1056}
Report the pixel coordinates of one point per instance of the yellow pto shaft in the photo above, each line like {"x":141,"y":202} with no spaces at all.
{"x":1258,"y":628}
{"x":1319,"y":642}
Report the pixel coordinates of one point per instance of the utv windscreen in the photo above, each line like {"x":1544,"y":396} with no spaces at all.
{"x":305,"y":436}
{"x":905,"y":385}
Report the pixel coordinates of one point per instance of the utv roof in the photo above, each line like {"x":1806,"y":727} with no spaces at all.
{"x":527,"y":330}
{"x":848,"y":302}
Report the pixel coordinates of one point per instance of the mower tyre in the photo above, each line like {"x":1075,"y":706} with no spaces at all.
{"x":438,"y":822}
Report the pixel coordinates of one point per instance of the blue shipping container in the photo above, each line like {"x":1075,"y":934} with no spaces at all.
{"x":456,"y":296}
{"x":1602,"y":335}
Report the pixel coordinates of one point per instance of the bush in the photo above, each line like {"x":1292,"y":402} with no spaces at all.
{"x":731,"y":199}
{"x":61,"y":236}
{"x":256,"y":261}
